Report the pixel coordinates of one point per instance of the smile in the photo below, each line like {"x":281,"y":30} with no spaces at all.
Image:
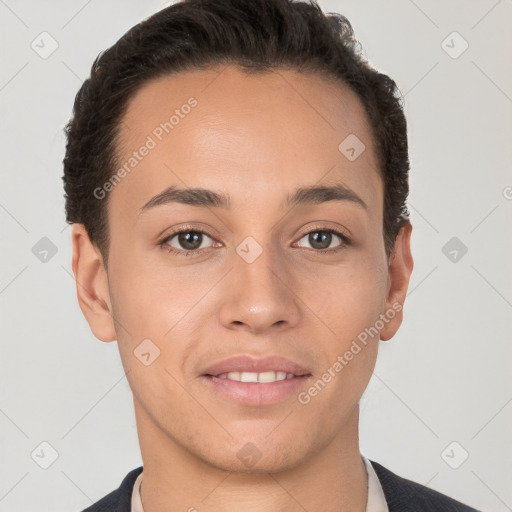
{"x":264,"y":377}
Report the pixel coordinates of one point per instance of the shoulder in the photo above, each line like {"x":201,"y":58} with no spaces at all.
{"x":120,"y":499}
{"x":404,"y":495}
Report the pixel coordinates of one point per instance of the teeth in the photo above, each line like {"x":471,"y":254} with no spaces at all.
{"x":248,"y":377}
{"x":270,"y":376}
{"x":263,"y":377}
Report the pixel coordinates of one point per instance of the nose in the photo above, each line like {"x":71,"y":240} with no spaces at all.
{"x":260,"y":295}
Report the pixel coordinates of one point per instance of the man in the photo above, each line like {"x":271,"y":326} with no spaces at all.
{"x":236,"y":177}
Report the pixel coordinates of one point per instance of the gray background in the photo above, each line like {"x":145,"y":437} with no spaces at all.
{"x":444,"y":378}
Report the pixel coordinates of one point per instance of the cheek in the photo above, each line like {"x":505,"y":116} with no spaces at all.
{"x":152,"y":296}
{"x":351,"y":309}
{"x":348,"y":297}
{"x":349,"y":304}
{"x":158,"y":310}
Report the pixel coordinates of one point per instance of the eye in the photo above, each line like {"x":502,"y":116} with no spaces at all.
{"x":189,"y":241}
{"x":186,"y":241}
{"x":321,"y":240}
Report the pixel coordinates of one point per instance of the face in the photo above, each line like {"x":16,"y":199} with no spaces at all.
{"x":282,"y":263}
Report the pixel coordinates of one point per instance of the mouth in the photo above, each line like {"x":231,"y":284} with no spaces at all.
{"x":255,"y":382}
{"x":262,"y":377}
{"x":246,"y":368}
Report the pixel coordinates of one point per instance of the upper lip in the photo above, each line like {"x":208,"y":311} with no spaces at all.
{"x":246,"y":363}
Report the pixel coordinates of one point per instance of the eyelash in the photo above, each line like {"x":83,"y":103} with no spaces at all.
{"x":345,"y":240}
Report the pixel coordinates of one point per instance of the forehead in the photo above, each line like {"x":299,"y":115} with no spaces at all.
{"x":256,"y":135}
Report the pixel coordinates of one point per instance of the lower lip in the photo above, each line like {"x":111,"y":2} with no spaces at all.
{"x":255,"y":393}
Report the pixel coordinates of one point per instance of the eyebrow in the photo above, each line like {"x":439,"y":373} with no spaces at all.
{"x":314,"y":194}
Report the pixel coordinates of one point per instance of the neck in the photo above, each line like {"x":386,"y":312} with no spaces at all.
{"x":332,"y":479}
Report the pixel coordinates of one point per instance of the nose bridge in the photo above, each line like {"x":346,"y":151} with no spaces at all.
{"x":260,"y":293}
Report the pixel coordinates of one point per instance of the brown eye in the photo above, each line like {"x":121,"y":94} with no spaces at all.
{"x":186,"y":241}
{"x":321,"y":239}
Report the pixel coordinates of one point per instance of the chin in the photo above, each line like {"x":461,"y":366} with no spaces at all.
{"x":246,"y":457}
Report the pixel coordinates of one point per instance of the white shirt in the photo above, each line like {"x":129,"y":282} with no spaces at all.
{"x":376,"y":499}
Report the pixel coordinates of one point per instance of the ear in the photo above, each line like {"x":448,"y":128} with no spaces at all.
{"x":92,"y":285}
{"x":399,"y":273}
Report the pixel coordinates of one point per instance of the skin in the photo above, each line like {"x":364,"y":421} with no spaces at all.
{"x":257,"y":138}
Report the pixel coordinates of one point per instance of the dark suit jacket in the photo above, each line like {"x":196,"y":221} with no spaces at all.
{"x":401,"y":495}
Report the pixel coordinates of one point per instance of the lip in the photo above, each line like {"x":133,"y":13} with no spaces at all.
{"x":255,"y":393}
{"x":246,"y":363}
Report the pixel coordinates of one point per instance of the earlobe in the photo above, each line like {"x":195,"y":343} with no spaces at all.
{"x":399,"y":272}
{"x":92,"y":285}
